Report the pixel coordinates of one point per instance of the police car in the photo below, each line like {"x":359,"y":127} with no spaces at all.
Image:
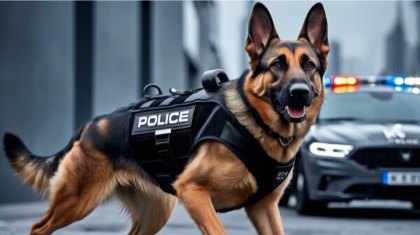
{"x":365,"y":144}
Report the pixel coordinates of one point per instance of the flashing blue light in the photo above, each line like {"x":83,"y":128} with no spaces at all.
{"x":412,"y":81}
{"x":395,"y":81}
{"x":385,"y":177}
{"x":398,"y":88}
{"x":327,"y":81}
{"x":399,"y":81}
{"x":404,"y":82}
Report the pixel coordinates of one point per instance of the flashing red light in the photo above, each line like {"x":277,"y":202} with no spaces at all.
{"x":345,"y":81}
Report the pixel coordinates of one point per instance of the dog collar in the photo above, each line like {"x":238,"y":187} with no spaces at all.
{"x":284,"y":141}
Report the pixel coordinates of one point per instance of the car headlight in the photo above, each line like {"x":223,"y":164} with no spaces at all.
{"x":330,"y":150}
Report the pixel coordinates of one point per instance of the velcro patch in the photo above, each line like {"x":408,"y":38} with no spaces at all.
{"x":173,"y":118}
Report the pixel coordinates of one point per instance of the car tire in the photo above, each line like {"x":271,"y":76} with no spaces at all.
{"x":304,"y":205}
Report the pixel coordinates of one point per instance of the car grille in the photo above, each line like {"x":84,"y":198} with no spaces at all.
{"x":372,"y":158}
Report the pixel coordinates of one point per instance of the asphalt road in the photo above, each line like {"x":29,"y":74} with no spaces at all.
{"x":357,"y":218}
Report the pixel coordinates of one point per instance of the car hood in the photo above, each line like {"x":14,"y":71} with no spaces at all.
{"x":363,"y":133}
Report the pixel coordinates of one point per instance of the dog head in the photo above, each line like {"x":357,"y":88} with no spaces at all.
{"x":285,"y":80}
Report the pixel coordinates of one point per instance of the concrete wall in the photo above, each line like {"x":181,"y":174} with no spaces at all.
{"x":117,"y":53}
{"x":36,"y":86}
{"x":133,"y":43}
{"x":116,"y":60}
{"x":168,"y":58}
{"x":37,"y":74}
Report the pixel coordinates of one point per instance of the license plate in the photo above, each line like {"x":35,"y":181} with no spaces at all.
{"x":400,"y":178}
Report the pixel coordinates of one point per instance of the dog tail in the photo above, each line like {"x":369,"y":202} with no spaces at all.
{"x":35,"y":171}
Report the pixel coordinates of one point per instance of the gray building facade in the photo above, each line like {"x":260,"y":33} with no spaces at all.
{"x":61,"y":63}
{"x":396,"y":47}
{"x":334,"y":59}
{"x":415,"y":60}
{"x":36,"y":81}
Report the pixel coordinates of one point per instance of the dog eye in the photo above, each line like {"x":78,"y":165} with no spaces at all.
{"x":277,"y":65}
{"x":309,"y":65}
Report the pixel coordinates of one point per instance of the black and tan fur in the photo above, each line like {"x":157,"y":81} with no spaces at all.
{"x":98,"y":162}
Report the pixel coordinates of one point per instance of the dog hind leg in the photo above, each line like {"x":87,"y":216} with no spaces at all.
{"x":148,"y":206}
{"x":83,"y":180}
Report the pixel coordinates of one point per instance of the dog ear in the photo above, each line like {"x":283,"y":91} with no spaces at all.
{"x":260,"y":31}
{"x":315,"y":29}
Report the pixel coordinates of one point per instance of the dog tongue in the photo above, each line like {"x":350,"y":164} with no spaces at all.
{"x":296,"y":112}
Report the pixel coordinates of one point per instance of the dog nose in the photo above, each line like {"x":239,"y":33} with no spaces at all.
{"x":299,"y":90}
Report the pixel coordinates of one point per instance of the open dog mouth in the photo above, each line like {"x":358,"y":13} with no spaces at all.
{"x":292,"y":101}
{"x":293,"y":114}
{"x":296,"y":112}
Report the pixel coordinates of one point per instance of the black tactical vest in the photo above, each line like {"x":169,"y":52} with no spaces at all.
{"x":164,"y":130}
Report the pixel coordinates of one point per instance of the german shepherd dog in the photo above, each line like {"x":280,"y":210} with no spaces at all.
{"x":284,"y":87}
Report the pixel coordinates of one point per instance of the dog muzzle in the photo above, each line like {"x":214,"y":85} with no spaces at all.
{"x":292,"y":102}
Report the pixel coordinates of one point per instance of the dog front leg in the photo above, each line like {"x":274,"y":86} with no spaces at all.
{"x":265,"y":216}
{"x":197,"y":201}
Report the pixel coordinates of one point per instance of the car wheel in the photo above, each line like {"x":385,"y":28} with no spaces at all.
{"x":304,"y":205}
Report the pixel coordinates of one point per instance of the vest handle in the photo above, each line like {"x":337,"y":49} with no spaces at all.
{"x":212,"y":79}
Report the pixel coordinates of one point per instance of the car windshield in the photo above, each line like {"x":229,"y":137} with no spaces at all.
{"x":371,"y":106}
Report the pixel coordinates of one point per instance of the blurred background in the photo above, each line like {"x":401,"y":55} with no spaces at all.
{"x":62,"y":63}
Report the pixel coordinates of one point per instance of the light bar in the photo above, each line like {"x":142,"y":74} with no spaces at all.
{"x":403,"y":81}
{"x":345,"y":81}
{"x":396,"y":80}
{"x":412,"y":81}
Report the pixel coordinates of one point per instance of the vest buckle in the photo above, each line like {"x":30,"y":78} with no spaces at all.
{"x":162,"y":138}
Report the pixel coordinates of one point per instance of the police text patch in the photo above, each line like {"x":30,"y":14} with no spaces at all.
{"x":173,"y":118}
